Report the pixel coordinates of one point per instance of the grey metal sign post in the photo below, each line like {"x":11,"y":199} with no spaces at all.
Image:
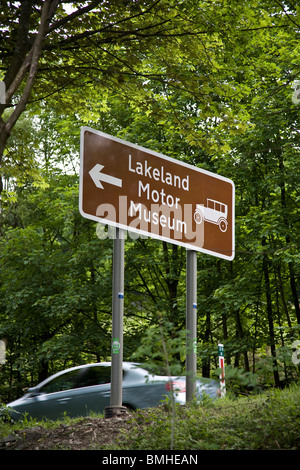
{"x":117,"y":325}
{"x":133,"y":188}
{"x":191,"y":323}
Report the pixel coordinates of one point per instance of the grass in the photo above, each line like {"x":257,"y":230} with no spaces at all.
{"x":7,"y":427}
{"x":268,"y":421}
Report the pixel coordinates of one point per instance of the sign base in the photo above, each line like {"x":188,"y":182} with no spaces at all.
{"x":115,"y":411}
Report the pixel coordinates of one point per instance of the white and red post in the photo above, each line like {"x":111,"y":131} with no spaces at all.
{"x":222,"y":367}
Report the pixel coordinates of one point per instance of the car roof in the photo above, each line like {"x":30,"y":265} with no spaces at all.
{"x":126,"y":366}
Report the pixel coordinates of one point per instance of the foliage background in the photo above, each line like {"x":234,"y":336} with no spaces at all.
{"x":206,"y":82}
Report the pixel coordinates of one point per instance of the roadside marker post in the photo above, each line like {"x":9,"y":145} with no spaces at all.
{"x":222,"y":367}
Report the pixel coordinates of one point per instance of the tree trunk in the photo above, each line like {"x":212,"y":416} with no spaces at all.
{"x":207,"y":333}
{"x":241,"y":335}
{"x":23,"y":64}
{"x":270,"y":319}
{"x":278,"y":277}
{"x":294,"y":292}
{"x":288,"y":238}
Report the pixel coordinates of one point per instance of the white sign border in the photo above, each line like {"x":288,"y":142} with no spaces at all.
{"x":163,"y":157}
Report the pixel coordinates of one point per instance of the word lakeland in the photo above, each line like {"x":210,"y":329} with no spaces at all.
{"x":150,"y":459}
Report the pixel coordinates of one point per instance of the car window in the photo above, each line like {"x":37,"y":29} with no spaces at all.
{"x":93,"y":376}
{"x":63,"y":382}
{"x":85,"y":377}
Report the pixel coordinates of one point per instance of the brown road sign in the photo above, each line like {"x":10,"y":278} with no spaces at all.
{"x":149,"y":194}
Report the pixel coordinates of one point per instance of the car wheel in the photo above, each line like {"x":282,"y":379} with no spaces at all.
{"x":198,"y":217}
{"x":222,"y":224}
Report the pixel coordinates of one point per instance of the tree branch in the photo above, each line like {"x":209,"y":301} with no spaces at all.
{"x":33,"y":59}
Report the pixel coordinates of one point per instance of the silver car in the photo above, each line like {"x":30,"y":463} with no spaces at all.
{"x":84,"y":389}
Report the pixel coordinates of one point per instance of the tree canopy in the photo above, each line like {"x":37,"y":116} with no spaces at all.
{"x":207,"y":82}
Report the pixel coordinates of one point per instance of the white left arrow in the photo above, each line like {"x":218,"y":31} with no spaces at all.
{"x":97,"y":176}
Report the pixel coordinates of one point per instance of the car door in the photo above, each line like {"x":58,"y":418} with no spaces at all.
{"x":52,"y":400}
{"x":77,"y":395}
{"x":92,"y":392}
{"x":74,"y":393}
